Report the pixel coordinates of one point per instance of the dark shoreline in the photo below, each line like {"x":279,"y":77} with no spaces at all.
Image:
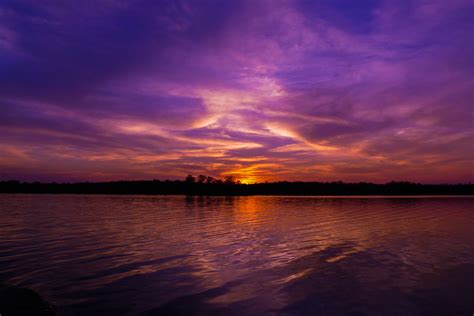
{"x":167,"y":187}
{"x":15,"y":300}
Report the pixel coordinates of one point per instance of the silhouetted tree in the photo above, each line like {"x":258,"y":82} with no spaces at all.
{"x":210,"y":180}
{"x":229,"y":180}
{"x":190,"y":179}
{"x":201,"y":178}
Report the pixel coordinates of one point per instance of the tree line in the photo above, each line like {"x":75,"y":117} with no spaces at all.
{"x":206,"y":185}
{"x":210,"y":180}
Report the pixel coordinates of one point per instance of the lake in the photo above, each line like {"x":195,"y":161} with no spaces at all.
{"x":255,"y":255}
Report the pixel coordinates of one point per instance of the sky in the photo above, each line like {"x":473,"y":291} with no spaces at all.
{"x":322,"y":90}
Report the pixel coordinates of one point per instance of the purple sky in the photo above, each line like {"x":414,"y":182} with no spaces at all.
{"x":262,"y":90}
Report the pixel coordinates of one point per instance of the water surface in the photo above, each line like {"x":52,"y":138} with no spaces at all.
{"x":172,"y":255}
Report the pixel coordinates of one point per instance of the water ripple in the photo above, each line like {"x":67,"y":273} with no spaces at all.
{"x":163,"y":255}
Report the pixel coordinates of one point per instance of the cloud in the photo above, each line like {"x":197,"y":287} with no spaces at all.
{"x":266,"y":90}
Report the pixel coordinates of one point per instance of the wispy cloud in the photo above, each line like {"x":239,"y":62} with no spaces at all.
{"x":263,"y":90}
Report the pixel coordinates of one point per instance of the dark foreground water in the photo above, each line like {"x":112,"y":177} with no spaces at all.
{"x":172,"y":255}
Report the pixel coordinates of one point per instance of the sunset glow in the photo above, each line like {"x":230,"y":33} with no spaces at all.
{"x":259,"y":90}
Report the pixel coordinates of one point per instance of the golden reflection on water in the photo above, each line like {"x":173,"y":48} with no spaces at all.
{"x":272,"y":251}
